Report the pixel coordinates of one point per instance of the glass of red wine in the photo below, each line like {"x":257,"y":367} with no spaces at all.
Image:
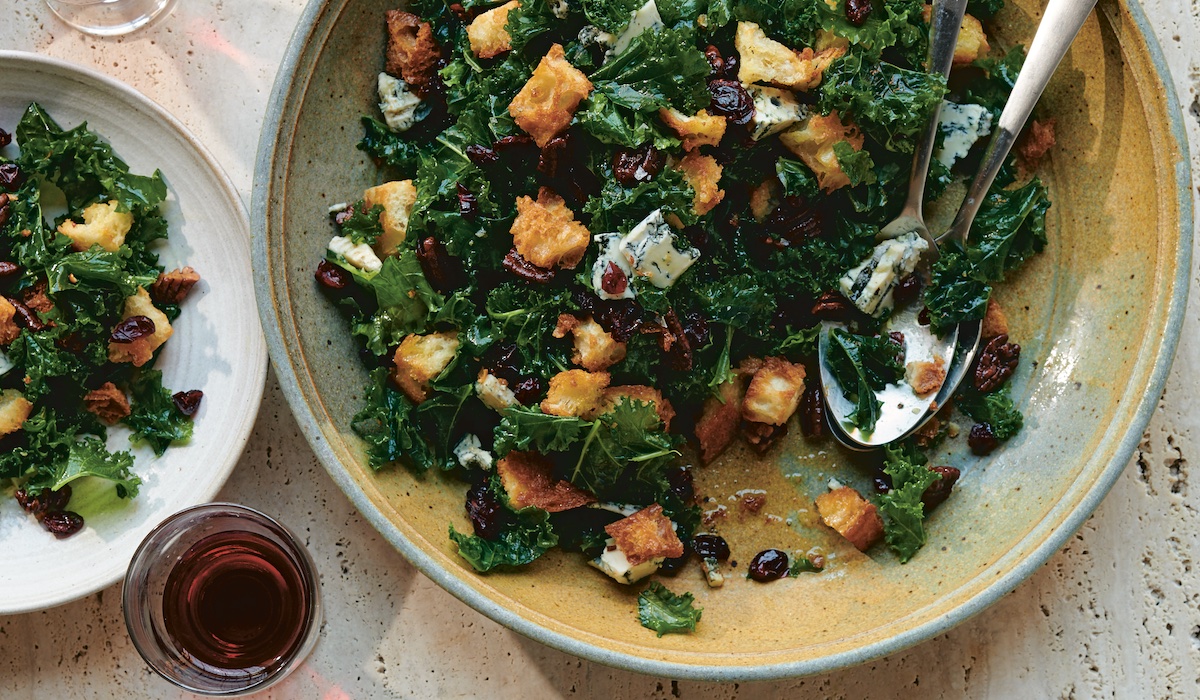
{"x":222,"y":600}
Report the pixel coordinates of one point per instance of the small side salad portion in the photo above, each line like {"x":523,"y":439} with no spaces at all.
{"x":85,"y":308}
{"x":608,"y":234}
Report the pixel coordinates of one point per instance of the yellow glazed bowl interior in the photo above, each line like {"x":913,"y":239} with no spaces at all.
{"x":1097,"y":314}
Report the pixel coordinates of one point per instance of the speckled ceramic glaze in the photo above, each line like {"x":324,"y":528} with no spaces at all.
{"x":1098,"y":315}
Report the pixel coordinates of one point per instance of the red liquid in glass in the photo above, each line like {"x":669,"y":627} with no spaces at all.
{"x":236,"y":600}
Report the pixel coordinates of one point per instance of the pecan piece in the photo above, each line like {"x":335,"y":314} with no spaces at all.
{"x":832,"y":306}
{"x":997,"y":362}
{"x":173,"y":287}
{"x":519,"y":266}
{"x":762,"y":436}
{"x":939,"y":491}
{"x":108,"y":403}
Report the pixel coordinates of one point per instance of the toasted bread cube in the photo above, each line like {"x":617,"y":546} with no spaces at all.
{"x":141,"y":350}
{"x":102,"y":225}
{"x":545,"y":106}
{"x":995,"y":322}
{"x":636,"y":393}
{"x":546,"y":233}
{"x":527,"y":479}
{"x":14,"y":410}
{"x":108,"y":403}
{"x":812,"y":141}
{"x":765,"y":198}
{"x":774,"y":392}
{"x":397,"y":199}
{"x":703,"y":173}
{"x":494,"y":392}
{"x":765,"y":60}
{"x":595,"y":348}
{"x":925,"y":377}
{"x":972,"y":40}
{"x":420,"y":359}
{"x":646,"y":535}
{"x":412,"y":52}
{"x":575,"y":392}
{"x":488,"y":33}
{"x":9,"y":330}
{"x":702,"y":129}
{"x":853,"y":516}
{"x":719,"y":420}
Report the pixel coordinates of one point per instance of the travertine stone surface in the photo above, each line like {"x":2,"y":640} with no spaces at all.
{"x":1115,"y":614}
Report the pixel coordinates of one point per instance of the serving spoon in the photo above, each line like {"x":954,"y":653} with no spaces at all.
{"x":901,"y":407}
{"x":1060,"y":24}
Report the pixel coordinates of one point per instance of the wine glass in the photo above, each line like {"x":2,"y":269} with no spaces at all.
{"x":109,"y":17}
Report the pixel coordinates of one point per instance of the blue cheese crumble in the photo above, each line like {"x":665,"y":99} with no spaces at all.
{"x":961,"y":127}
{"x":401,"y":108}
{"x":644,"y":18}
{"x":774,"y":111}
{"x":870,"y":284}
{"x":651,"y":252}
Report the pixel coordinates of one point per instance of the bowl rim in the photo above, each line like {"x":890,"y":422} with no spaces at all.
{"x":132,"y":95}
{"x":269,"y":144}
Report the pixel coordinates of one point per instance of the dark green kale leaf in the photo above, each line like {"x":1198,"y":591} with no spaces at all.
{"x":901,"y":507}
{"x":889,"y":103}
{"x":527,"y":428}
{"x":984,"y":9}
{"x":657,"y":69}
{"x":857,"y":165}
{"x":619,"y":208}
{"x":525,"y":537}
{"x":798,"y":343}
{"x":610,"y":15}
{"x":995,"y":409}
{"x":49,"y":368}
{"x":797,"y":179}
{"x":47,"y":443}
{"x":527,"y":317}
{"x":382,"y":144}
{"x":96,"y":267}
{"x":794,"y":22}
{"x":957,"y":290}
{"x":386,"y":423}
{"x":863,"y":365}
{"x":1009,"y":229}
{"x":664,"y":612}
{"x":616,"y":125}
{"x":43,"y":245}
{"x":625,"y":453}
{"x":896,"y":23}
{"x":743,"y":301}
{"x":363,"y":226}
{"x":88,"y":457}
{"x":1000,"y":74}
{"x":153,"y":416}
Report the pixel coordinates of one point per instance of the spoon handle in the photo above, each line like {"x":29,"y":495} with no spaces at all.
{"x":1060,"y":24}
{"x":946,"y":22}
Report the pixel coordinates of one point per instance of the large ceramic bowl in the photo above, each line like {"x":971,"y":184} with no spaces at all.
{"x":1098,"y":315}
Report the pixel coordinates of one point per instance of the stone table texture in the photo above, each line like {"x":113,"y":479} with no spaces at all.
{"x":1115,"y":614}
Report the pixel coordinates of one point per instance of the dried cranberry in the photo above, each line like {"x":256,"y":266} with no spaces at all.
{"x":11,"y":176}
{"x":331,"y":276}
{"x":63,"y":523}
{"x":907,"y":290}
{"x":341,"y":217}
{"x":982,"y":440}
{"x":44,"y":500}
{"x":832,"y":306}
{"x":730,"y":100}
{"x":131,"y":329}
{"x":897,"y":339}
{"x":188,"y":402}
{"x":683,"y":484}
{"x":769,"y":565}
{"x":72,"y":343}
{"x":812,"y":412}
{"x":857,"y":11}
{"x":519,"y":266}
{"x":485,"y":512}
{"x":441,"y":270}
{"x":711,"y":547}
{"x":923,"y":317}
{"x":695,"y":329}
{"x":503,"y":361}
{"x":5,"y":138}
{"x":509,"y":143}
{"x":468,"y":205}
{"x":939,"y":491}
{"x":8,"y":271}
{"x":22,"y":497}
{"x":997,"y":362}
{"x":528,"y":390}
{"x":622,"y":318}
{"x":5,"y":209}
{"x":672,"y":565}
{"x":482,"y":155}
{"x":632,"y":167}
{"x":881,"y":480}
{"x":614,"y":281}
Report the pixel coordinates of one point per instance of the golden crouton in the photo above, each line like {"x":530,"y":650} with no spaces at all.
{"x":595,"y":348}
{"x":774,"y":392}
{"x":1036,"y":142}
{"x":719,"y":420}
{"x":487,"y":32}
{"x":765,"y":198}
{"x":972,"y":41}
{"x":108,"y":403}
{"x":546,"y":233}
{"x":703,"y":173}
{"x":575,"y":392}
{"x":9,"y":330}
{"x":14,"y":409}
{"x":853,"y":516}
{"x":765,"y":60}
{"x":397,"y":199}
{"x":702,"y":129}
{"x":636,"y":393}
{"x":812,"y":140}
{"x":102,"y":225}
{"x":174,"y":286}
{"x":925,"y":377}
{"x":545,"y":106}
{"x":412,"y":52}
{"x":994,"y":321}
{"x":646,"y":535}
{"x":526,"y":477}
{"x":142,"y":349}
{"x":420,"y":359}
{"x":494,"y":392}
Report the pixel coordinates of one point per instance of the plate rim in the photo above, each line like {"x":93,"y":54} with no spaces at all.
{"x":258,"y":340}
{"x":319,"y":12}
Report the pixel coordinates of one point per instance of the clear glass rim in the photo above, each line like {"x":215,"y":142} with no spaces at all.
{"x":133,"y":600}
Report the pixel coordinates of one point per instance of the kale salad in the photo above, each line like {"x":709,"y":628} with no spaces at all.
{"x":607,"y":235}
{"x":85,"y":309}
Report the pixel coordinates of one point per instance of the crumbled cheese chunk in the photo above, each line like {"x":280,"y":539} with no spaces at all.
{"x":961,"y":127}
{"x":359,"y":255}
{"x":494,"y":392}
{"x":470,"y":453}
{"x":560,"y":8}
{"x":644,"y":18}
{"x":870,"y":285}
{"x":613,"y":562}
{"x":712,"y":573}
{"x":609,"y":244}
{"x":401,"y":108}
{"x":591,"y":35}
{"x":5,"y":364}
{"x":650,"y":249}
{"x":774,"y":111}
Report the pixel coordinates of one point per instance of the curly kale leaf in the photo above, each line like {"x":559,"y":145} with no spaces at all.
{"x":88,"y":457}
{"x":995,"y":409}
{"x":386,"y":423}
{"x":524,"y":429}
{"x":889,"y":103}
{"x":524,"y":538}
{"x":363,"y":225}
{"x":388,"y":147}
{"x":957,"y":291}
{"x":658,"y":69}
{"x":153,"y":416}
{"x":616,"y":125}
{"x":93,"y":267}
{"x":863,"y":365}
{"x":664,"y":612}
{"x":797,"y":179}
{"x":619,"y":208}
{"x":625,"y":454}
{"x":857,"y":164}
{"x":901,"y":507}
{"x":1000,"y":74}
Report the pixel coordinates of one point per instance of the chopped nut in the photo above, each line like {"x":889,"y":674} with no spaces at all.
{"x":108,"y":403}
{"x":173,"y":287}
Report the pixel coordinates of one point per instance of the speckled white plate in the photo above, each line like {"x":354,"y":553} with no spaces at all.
{"x":217,"y":347}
